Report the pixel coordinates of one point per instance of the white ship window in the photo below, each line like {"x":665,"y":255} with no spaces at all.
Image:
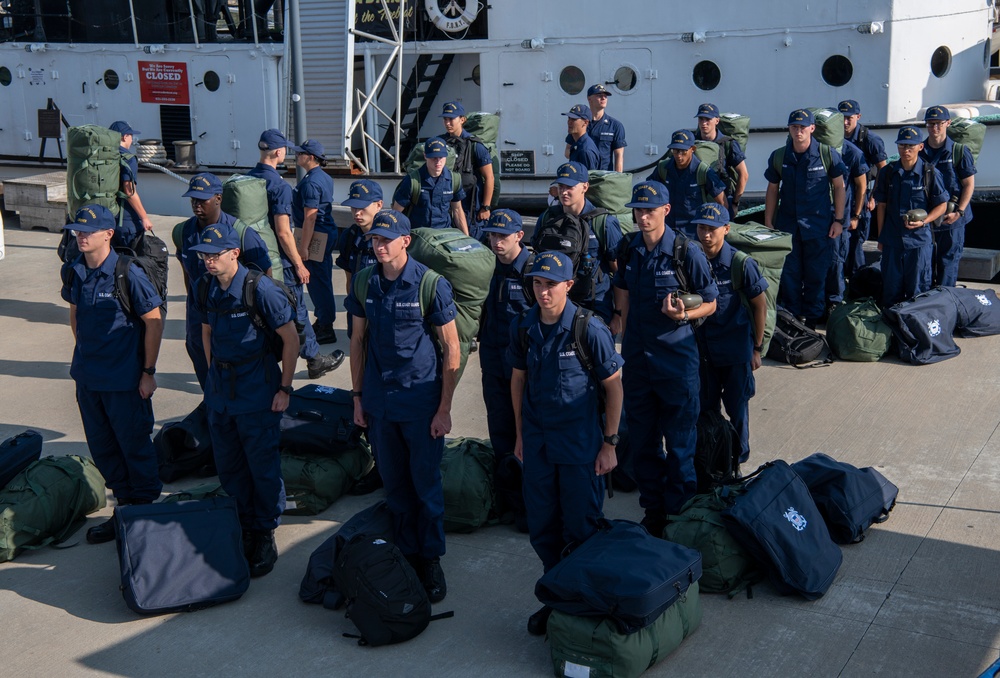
{"x":4,"y":76}
{"x":837,"y":70}
{"x":111,"y":79}
{"x":706,"y":75}
{"x":941,"y":62}
{"x":571,"y":80}
{"x":626,"y":78}
{"x":211,"y":81}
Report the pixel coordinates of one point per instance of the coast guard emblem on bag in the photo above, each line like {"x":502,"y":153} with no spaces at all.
{"x":934,"y":327}
{"x":983,"y":300}
{"x":797,"y":520}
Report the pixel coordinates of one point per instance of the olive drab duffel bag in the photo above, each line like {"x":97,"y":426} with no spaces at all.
{"x":594,"y":647}
{"x":484,"y":128}
{"x":313,"y":482}
{"x":467,"y":480}
{"x":856,"y":332}
{"x":245,"y":198}
{"x":968,"y":133}
{"x":768,"y":248}
{"x":611,"y":191}
{"x":47,"y":502}
{"x":829,"y":127}
{"x":93,"y":168}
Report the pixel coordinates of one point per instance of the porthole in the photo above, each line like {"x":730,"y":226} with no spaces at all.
{"x":4,"y":76}
{"x":941,"y":62}
{"x":571,"y":80}
{"x":626,"y":78}
{"x":837,"y":70}
{"x":475,"y":74}
{"x":706,"y":75}
{"x":212,"y":81}
{"x":111,"y":79}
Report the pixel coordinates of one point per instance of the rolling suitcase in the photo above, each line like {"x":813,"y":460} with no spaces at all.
{"x":17,"y":453}
{"x":180,"y":557}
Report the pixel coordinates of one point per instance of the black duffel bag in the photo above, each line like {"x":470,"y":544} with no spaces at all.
{"x":978,"y":311}
{"x":184,"y":448}
{"x":318,"y":419}
{"x":923,"y":327}
{"x":796,"y":344}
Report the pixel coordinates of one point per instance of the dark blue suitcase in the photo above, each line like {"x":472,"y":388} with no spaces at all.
{"x":777,"y":521}
{"x":978,"y":311}
{"x":317,"y":585}
{"x":318,"y":419}
{"x":850,"y":499}
{"x":623,"y":573}
{"x":17,"y":453}
{"x":182,"y":556}
{"x":923,"y":327}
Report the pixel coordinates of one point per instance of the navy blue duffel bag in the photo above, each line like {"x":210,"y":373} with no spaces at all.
{"x":17,"y":453}
{"x":849,"y":498}
{"x":978,"y":312}
{"x":777,"y":522}
{"x":923,"y":327}
{"x":620,"y":572}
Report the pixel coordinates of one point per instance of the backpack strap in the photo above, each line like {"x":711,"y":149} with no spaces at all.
{"x":428,"y":290}
{"x":680,"y":260}
{"x":250,"y":299}
{"x":826,"y":155}
{"x":736,"y":274}
{"x":456,"y":182}
{"x":414,"y":189}
{"x":957,"y":152}
{"x":578,"y":328}
{"x":862,"y":133}
{"x":203,"y":284}
{"x":661,"y":169}
{"x":360,"y":283}
{"x":703,"y":180}
{"x":123,"y":283}
{"x":177,"y":235}
{"x":778,"y":160}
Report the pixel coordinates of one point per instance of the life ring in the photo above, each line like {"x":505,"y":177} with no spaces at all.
{"x":466,"y":11}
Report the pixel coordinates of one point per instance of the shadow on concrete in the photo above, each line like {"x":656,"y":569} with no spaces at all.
{"x":36,"y":311}
{"x":35,"y":369}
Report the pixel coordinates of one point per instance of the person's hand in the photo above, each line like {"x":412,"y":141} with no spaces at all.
{"x":673,"y":307}
{"x":359,"y":414}
{"x":302,"y":273}
{"x":280,"y":402}
{"x":441,"y":424}
{"x":853,"y":223}
{"x":147,"y":223}
{"x":519,"y":449}
{"x":615,"y":325}
{"x":607,"y":460}
{"x":483,"y":214}
{"x":147,"y":384}
{"x":755,"y":361}
{"x":949,"y":219}
{"x":836,"y":228}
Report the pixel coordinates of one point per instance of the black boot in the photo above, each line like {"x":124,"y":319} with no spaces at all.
{"x":432,"y":577}
{"x":264,"y":554}
{"x":102,"y":532}
{"x":539,"y":622}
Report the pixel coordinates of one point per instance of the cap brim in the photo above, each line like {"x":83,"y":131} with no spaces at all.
{"x":909,"y":142}
{"x":706,"y":115}
{"x":87,"y":228}
{"x":568,"y":182}
{"x":643,"y":205}
{"x":384,"y":232}
{"x":547,"y":275}
{"x":504,"y":231}
{"x":201,"y":195}
{"x":436,"y":156}
{"x":450,"y":115}
{"x":208,"y":249}
{"x":680,"y":147}
{"x":706,"y":222}
{"x":358,"y":202}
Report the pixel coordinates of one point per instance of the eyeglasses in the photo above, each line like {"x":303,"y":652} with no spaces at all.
{"x":205,"y":256}
{"x":936,"y":123}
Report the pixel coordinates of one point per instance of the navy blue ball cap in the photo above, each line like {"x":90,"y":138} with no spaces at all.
{"x":712,"y":214}
{"x":217,"y":238}
{"x":937,"y":113}
{"x":649,"y":194}
{"x":363,"y":193}
{"x":909,"y":136}
{"x":681,"y":140}
{"x":571,"y":174}
{"x":552,"y":266}
{"x":203,"y":186}
{"x":435,"y":147}
{"x":504,"y":221}
{"x":390,"y":224}
{"x":849,"y":107}
{"x":123,"y":128}
{"x":801,"y":116}
{"x":271,"y":139}
{"x":707,"y":111}
{"x":580,"y":112}
{"x":453,"y":109}
{"x":597,"y":89}
{"x":92,"y":218}
{"x":312,"y":147}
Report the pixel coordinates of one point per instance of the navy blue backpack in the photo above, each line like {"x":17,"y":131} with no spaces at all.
{"x":777,"y":522}
{"x":923,"y":327}
{"x":978,"y":311}
{"x":850,"y":499}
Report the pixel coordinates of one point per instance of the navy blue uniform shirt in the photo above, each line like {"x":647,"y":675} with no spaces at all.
{"x":355,"y":251}
{"x":685,"y":193}
{"x":505,"y":302}
{"x":804,"y":203}
{"x":609,"y":135}
{"x":903,"y":191}
{"x":726,"y":336}
{"x":315,"y":191}
{"x":433,"y":210}
{"x":402,"y":380}
{"x":126,"y":234}
{"x":953,"y":170}
{"x":108,"y":354}
{"x":584,"y":151}
{"x":857,"y":166}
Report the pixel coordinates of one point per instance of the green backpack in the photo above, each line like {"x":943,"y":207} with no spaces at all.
{"x":829,"y":127}
{"x":485,"y":128}
{"x":769,"y":249}
{"x":467,"y":480}
{"x":313,"y":483}
{"x":726,"y":566}
{"x":708,"y":153}
{"x":856,"y":331}
{"x":969,"y":134}
{"x":245,"y":198}
{"x":611,"y":191}
{"x":47,"y":502}
{"x":93,"y":168}
{"x":736,"y":126}
{"x":415,"y":160}
{"x":594,"y":647}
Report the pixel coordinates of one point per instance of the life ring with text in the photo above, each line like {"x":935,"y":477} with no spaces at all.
{"x":456,"y":16}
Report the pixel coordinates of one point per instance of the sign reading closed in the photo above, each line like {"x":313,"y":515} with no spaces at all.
{"x":163,"y":82}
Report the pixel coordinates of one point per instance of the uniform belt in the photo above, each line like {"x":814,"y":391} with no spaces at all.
{"x":231,"y":364}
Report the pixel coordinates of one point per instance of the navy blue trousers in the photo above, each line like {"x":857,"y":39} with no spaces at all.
{"x":948,"y":246}
{"x":803,"y":280}
{"x":905,"y":273}
{"x":309,"y":348}
{"x":196,"y":351}
{"x":409,"y":461}
{"x":321,"y":285}
{"x":499,"y":408}
{"x":246,"y":455}
{"x":733,"y":386}
{"x":855,"y":249}
{"x":835,"y":275}
{"x":662,"y":412}
{"x":117,"y":425}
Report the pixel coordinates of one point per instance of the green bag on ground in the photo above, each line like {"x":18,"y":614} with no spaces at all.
{"x":313,"y":483}
{"x":726,"y":567}
{"x":203,"y":491}
{"x":47,"y":502}
{"x":245,"y":198}
{"x":593,"y":646}
{"x":969,"y":133}
{"x":829,"y":127}
{"x":467,"y":479}
{"x":769,"y":249}
{"x":415,"y":160}
{"x":736,"y":126}
{"x":93,"y":168}
{"x":856,"y":331}
{"x":611,"y":191}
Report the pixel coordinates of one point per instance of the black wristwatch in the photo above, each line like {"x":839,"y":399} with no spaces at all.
{"x":355,"y":394}
{"x":613,"y":440}
{"x":960,"y":212}
{"x":149,"y":370}
{"x":285,"y":389}
{"x":838,"y":220}
{"x":759,"y":348}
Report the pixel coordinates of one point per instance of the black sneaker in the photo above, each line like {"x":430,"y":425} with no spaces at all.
{"x":368,"y":484}
{"x":432,"y":578}
{"x":473,"y":346}
{"x":264,"y":554}
{"x":102,"y":533}
{"x":325,"y":334}
{"x":324,"y":363}
{"x":538,"y":623}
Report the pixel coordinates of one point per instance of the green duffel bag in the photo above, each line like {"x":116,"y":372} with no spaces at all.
{"x":313,"y":483}
{"x":611,"y":191}
{"x":769,"y":249}
{"x":736,"y":126}
{"x":593,"y":646}
{"x":204,"y":491}
{"x":47,"y":502}
{"x":467,"y":478}
{"x":93,"y":168}
{"x":856,"y":331}
{"x":415,"y":160}
{"x":245,"y":198}
{"x":726,"y":567}
{"x":829,"y":127}
{"x":969,"y":133}
{"x":485,"y":126}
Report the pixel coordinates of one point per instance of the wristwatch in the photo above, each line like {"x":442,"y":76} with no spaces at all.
{"x":355,"y":394}
{"x":838,"y":220}
{"x":285,"y":389}
{"x":149,"y":370}
{"x":613,"y":440}
{"x":759,"y":348}
{"x":960,"y":212}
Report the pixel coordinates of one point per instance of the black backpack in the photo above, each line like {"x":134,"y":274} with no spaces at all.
{"x":272,"y":340}
{"x":385,"y":598}
{"x":717,"y":452}
{"x":154,"y":265}
{"x":796,"y":344}
{"x":570,"y":234}
{"x":465,"y":152}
